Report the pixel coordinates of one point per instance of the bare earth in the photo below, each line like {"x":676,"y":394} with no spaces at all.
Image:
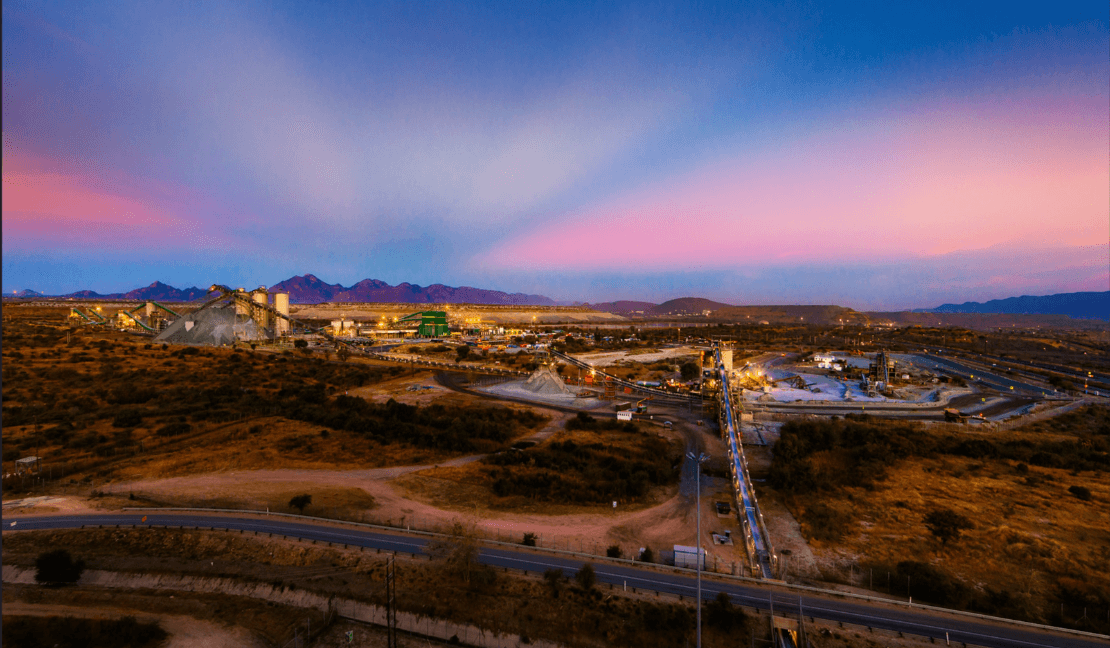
{"x":184,"y":631}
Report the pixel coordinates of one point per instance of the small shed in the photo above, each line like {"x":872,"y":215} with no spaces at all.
{"x":28,"y":464}
{"x":688,"y":557}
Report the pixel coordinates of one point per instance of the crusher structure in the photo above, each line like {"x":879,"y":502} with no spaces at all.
{"x":431,"y":324}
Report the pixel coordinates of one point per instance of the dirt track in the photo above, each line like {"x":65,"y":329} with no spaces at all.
{"x":184,"y":631}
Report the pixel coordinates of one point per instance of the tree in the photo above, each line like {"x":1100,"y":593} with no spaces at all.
{"x":554,"y":578}
{"x":343,"y":354}
{"x":457,"y":551}
{"x":689,"y":370}
{"x":586,"y":578}
{"x":614,"y":551}
{"x":461,"y":353}
{"x":300,"y":501}
{"x":946,"y":524}
{"x":58,"y":567}
{"x":647,"y":555}
{"x":721,"y":614}
{"x":529,"y":540}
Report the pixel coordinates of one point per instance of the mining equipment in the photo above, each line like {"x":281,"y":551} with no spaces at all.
{"x":432,"y":323}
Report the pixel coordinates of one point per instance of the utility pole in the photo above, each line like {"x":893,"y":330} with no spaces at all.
{"x":391,"y":602}
{"x":698,"y":460}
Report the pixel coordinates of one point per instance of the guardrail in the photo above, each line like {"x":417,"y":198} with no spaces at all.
{"x":776,"y":585}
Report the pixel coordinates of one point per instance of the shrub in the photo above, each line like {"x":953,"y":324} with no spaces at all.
{"x":825,"y":522}
{"x":721,"y":614}
{"x":174,"y":429}
{"x":529,"y":540}
{"x":300,"y":501}
{"x":586,"y":578}
{"x":57,"y":567}
{"x":1082,"y":492}
{"x":647,"y":555}
{"x":946,"y":524}
{"x":127,"y":418}
{"x":614,"y":551}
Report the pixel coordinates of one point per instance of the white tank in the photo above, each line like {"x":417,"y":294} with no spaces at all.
{"x":149,"y":310}
{"x":281,"y":305}
{"x":261,"y":316}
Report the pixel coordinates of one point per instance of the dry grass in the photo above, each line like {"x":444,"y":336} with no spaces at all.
{"x":468,"y":488}
{"x":327,"y":501}
{"x":507,"y":603}
{"x":63,"y":385}
{"x":1031,"y":537}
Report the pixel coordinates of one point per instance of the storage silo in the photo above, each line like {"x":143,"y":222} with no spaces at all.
{"x":261,"y":315}
{"x":281,"y":305}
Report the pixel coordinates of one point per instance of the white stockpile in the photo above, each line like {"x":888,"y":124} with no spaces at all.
{"x":212,"y":326}
{"x":546,"y":382}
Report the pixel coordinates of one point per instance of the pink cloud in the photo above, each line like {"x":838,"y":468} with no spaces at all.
{"x":951,"y":178}
{"x":50,"y":203}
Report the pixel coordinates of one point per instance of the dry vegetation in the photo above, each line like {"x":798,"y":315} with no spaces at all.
{"x":96,"y":403}
{"x":553,"y":609}
{"x":1036,"y":500}
{"x":582,"y":468}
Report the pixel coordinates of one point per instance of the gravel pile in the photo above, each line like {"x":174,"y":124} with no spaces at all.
{"x":546,"y":382}
{"x":213,"y":326}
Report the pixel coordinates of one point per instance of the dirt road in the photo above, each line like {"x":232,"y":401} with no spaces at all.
{"x":184,"y":631}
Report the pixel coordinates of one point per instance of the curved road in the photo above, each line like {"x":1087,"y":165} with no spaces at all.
{"x":917,"y":620}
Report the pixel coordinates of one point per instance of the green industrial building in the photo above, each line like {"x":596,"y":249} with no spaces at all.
{"x":432,"y":323}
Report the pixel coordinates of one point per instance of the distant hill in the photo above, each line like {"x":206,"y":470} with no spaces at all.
{"x":687,"y":306}
{"x":624,"y":307}
{"x":308,"y":289}
{"x":159,"y":291}
{"x":808,"y":314}
{"x":1079,"y":305}
{"x":156,"y":291}
{"x":26,"y":292}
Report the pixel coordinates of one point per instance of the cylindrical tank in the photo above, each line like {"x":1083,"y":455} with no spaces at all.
{"x":149,"y":310}
{"x":281,"y":305}
{"x":261,"y":315}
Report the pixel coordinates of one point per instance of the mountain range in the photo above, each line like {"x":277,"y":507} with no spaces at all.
{"x":308,"y":289}
{"x":1078,"y":305}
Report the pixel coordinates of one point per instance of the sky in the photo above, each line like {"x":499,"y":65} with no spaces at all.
{"x":873,"y":155}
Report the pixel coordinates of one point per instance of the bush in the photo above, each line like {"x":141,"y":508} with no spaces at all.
{"x":1082,"y":492}
{"x":825,"y":522}
{"x":300,"y":501}
{"x":946,"y":524}
{"x":721,"y":614}
{"x":56,"y":567}
{"x":174,"y":429}
{"x":529,"y":540}
{"x":614,"y":551}
{"x":586,"y":578}
{"x":127,"y":418}
{"x":647,"y":555}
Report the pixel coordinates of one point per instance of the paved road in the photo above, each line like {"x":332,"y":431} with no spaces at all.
{"x":991,"y":379}
{"x":915,"y":621}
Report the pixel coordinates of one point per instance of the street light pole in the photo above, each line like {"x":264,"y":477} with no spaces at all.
{"x":698,"y":460}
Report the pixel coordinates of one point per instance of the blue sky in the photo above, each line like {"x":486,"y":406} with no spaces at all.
{"x":866,"y":154}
